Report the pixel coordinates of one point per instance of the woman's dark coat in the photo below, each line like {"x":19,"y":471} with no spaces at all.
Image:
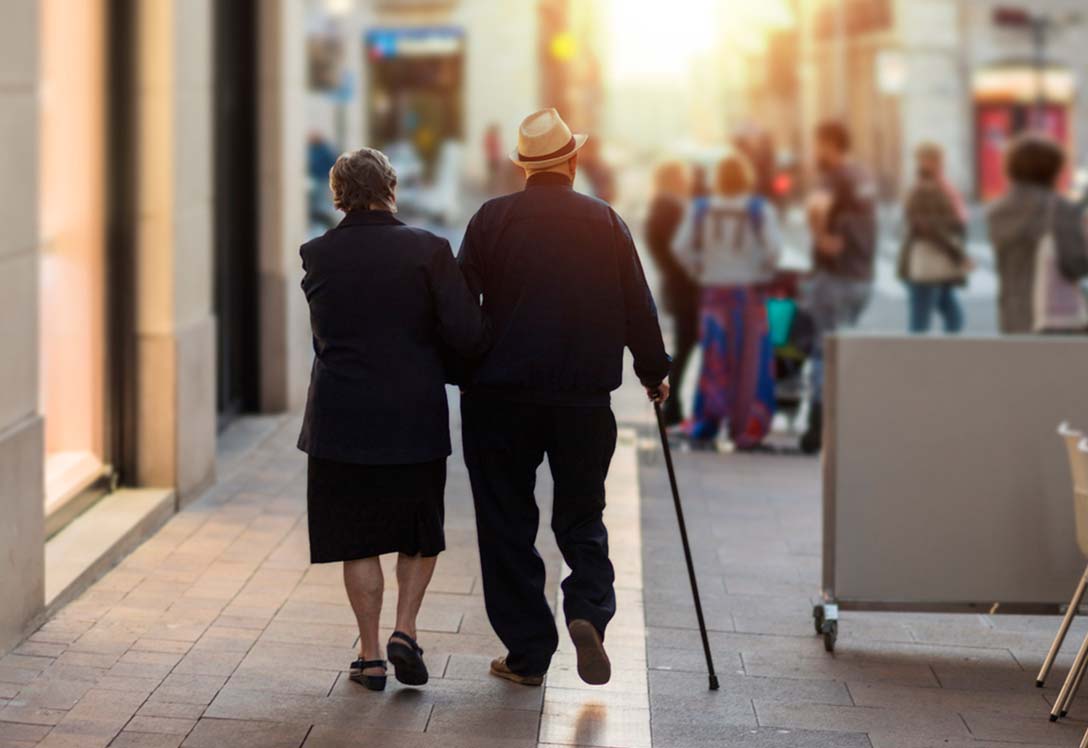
{"x":387,"y":302}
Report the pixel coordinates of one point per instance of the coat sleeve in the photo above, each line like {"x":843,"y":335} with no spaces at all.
{"x":461,"y":322}
{"x":1072,"y":246}
{"x":643,"y":332}
{"x":471,"y":257}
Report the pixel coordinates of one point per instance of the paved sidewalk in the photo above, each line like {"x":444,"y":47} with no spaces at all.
{"x":217,"y":632}
{"x":895,"y":680}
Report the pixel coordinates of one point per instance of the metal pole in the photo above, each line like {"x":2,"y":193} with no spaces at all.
{"x":687,"y":547}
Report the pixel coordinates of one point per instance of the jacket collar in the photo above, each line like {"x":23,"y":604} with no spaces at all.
{"x":369,"y":218}
{"x":548,"y":179}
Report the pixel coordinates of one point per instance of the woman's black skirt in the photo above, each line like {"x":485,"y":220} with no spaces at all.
{"x":359,"y":511}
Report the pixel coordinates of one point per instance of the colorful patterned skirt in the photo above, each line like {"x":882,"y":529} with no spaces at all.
{"x":736,"y":384}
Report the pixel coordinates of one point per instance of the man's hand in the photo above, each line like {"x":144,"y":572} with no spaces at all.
{"x":658,"y":394}
{"x":829,"y":244}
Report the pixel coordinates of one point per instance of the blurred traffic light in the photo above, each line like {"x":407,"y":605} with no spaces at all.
{"x":563,"y":46}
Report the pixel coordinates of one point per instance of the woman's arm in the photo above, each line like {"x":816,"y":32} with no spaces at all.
{"x":461,"y":322}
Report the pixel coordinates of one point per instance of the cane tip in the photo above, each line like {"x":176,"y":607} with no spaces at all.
{"x":713,"y":683}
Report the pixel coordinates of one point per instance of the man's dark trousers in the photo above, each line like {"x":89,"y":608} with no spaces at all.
{"x":504,"y":444}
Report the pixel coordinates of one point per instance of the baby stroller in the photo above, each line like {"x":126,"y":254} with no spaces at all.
{"x":793,"y":336}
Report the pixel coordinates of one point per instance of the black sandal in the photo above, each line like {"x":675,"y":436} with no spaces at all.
{"x":372,"y":682}
{"x":407,"y":659}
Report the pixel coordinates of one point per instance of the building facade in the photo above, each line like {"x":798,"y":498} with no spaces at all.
{"x":901,"y":72}
{"x":150,"y":280}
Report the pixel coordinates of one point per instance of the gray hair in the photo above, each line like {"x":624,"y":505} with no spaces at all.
{"x":362,"y":179}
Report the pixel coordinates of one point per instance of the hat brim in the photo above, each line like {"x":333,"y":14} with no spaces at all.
{"x":579,"y":141}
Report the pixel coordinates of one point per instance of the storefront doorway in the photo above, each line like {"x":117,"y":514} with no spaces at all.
{"x":416,"y":94}
{"x":1006,"y":104}
{"x":236,"y":186}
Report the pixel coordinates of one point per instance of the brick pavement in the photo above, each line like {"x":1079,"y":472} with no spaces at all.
{"x":895,"y":680}
{"x":217,"y":632}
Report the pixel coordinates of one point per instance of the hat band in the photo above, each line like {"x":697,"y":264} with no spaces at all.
{"x":568,"y":148}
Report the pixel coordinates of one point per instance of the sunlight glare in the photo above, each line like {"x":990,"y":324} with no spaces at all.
{"x":652,"y":39}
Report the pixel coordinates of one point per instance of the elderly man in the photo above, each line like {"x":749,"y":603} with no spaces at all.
{"x":563,"y":287}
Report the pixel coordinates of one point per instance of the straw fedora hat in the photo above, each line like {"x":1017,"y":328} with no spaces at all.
{"x":544,"y":140}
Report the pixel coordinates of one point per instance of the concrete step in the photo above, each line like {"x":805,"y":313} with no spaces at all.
{"x":99,"y":538}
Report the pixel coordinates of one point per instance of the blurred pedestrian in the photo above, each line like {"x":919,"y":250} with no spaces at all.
{"x":320,"y":157}
{"x":493,"y":155}
{"x":842,"y":220}
{"x":933,"y":259}
{"x":599,"y":174}
{"x":1038,"y":238}
{"x":679,"y":292}
{"x":384,"y":299}
{"x":562,"y":283}
{"x":732,"y":244}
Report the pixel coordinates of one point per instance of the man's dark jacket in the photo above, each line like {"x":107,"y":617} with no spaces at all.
{"x":386,"y":302}
{"x":564,"y":291}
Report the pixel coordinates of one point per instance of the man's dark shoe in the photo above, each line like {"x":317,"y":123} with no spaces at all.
{"x":812,"y":439}
{"x":500,"y":669}
{"x":593,"y":665}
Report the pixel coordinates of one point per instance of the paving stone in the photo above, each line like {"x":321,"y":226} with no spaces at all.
{"x":906,"y":719}
{"x":167,"y":725}
{"x":330,"y":737}
{"x":187,"y":688}
{"x":157,"y":708}
{"x":1022,"y":728}
{"x":197,"y":662}
{"x":215,"y":733}
{"x":326,"y":634}
{"x":22,"y":731}
{"x":40,"y":649}
{"x":31,"y":715}
{"x":50,"y":694}
{"x":130,"y":739}
{"x":1024,"y":702}
{"x":484,"y":722}
{"x":407,"y":712}
{"x":493,"y":692}
{"x":285,"y":679}
{"x":897,"y":740}
{"x":701,"y":735}
{"x":161,"y":645}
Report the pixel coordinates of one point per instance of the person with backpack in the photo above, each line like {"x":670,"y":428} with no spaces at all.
{"x":730,"y":241}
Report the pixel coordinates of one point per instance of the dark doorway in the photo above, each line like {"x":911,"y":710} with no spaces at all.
{"x":121,"y":220}
{"x":236,"y":185}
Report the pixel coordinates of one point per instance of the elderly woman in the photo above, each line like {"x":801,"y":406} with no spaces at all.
{"x":732,"y":244}
{"x":386,"y":302}
{"x":1019,"y":220}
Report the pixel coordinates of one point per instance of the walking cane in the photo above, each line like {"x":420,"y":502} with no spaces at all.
{"x":687,"y":547}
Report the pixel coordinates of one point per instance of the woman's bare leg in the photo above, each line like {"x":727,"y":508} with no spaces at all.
{"x":413,"y":575}
{"x":364,"y":583}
